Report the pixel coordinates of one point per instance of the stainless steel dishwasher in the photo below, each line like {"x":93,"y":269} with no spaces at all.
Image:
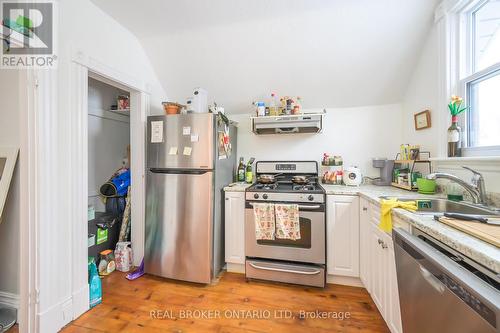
{"x":441,"y":290}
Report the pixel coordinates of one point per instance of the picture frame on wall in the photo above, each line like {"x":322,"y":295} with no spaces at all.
{"x":422,"y":120}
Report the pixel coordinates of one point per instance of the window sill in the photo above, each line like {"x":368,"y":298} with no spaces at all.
{"x":466,"y":159}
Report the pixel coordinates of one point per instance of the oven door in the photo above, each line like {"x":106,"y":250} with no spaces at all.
{"x":310,"y":248}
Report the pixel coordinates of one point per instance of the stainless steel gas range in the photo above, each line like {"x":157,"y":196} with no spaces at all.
{"x":300,"y":261}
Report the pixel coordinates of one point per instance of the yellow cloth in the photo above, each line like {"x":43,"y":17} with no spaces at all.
{"x":386,"y":207}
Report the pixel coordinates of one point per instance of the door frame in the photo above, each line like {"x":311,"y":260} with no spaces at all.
{"x":83,"y":67}
{"x":38,"y":98}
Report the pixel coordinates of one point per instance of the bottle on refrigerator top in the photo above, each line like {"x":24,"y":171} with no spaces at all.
{"x":241,"y":171}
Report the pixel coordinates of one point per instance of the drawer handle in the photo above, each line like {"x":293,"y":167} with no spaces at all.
{"x":284,"y":270}
{"x":303,"y":207}
{"x":365,"y":209}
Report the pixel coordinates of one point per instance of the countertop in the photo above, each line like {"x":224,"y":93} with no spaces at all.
{"x":237,"y":187}
{"x":486,"y":254}
{"x":481,"y":252}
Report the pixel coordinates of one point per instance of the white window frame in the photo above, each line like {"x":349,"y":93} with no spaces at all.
{"x":465,"y":60}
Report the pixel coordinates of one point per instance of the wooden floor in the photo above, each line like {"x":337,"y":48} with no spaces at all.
{"x":151,"y":304}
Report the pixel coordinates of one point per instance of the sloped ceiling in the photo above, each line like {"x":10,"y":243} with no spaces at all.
{"x":332,"y":53}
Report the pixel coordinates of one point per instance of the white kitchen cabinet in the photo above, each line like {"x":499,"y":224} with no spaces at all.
{"x":376,"y":268}
{"x":382,"y":277}
{"x":343,"y":235}
{"x":364,"y":242}
{"x":393,"y":318}
{"x":235,"y":227}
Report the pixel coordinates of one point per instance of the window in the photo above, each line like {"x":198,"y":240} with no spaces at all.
{"x":480,"y":81}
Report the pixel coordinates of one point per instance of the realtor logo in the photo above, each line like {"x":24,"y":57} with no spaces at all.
{"x":27,"y":34}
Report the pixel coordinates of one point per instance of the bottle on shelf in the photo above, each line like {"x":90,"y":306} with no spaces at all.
{"x":274,"y":105}
{"x":241,"y":171}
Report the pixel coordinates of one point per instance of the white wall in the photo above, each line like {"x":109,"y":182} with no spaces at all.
{"x":83,"y":29}
{"x":109,"y":135}
{"x":422,"y":94}
{"x":9,"y":228}
{"x":357,"y":134}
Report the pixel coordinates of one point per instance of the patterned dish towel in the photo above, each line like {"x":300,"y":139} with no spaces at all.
{"x":287,"y":221}
{"x":265,"y":225}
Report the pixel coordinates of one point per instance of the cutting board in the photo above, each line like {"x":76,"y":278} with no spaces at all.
{"x":485,"y":232}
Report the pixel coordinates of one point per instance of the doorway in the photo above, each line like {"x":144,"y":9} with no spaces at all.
{"x":109,"y":200}
{"x":96,"y":95}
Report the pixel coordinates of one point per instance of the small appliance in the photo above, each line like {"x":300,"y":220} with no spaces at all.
{"x":352,"y":176}
{"x":187,"y":168}
{"x":301,"y":261}
{"x":386,"y":166}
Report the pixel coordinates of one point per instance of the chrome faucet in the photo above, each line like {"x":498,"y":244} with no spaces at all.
{"x":476,"y":188}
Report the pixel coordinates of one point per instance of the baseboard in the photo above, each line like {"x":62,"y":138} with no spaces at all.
{"x":235,"y":268}
{"x":80,"y":301}
{"x":9,"y":299}
{"x":55,"y":317}
{"x":345,"y":280}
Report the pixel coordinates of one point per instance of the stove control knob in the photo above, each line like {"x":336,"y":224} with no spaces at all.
{"x":265,"y":196}
{"x":256,"y":196}
{"x":310,"y":198}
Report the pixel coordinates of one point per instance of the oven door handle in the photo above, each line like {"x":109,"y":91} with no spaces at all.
{"x":301,"y":207}
{"x":313,"y":272}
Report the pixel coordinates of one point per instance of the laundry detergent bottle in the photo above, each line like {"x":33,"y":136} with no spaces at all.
{"x":95,"y":287}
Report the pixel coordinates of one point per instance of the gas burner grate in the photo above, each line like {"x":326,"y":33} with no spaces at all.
{"x":271,"y":186}
{"x":309,"y":187}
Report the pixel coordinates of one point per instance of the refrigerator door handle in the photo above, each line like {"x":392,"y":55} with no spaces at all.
{"x":181,"y":171}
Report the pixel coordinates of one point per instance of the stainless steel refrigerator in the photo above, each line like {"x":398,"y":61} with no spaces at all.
{"x":189,"y":161}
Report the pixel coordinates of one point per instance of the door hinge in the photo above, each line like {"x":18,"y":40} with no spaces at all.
{"x":36,"y":82}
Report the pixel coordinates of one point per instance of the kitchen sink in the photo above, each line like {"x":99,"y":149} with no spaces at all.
{"x":435,"y":206}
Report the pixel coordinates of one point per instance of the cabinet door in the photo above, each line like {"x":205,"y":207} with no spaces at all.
{"x":393,"y":312}
{"x":235,"y":227}
{"x":376,"y":267}
{"x":364,"y":243}
{"x":343,"y":235}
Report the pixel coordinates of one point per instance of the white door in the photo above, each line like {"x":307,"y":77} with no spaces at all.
{"x":235,"y":227}
{"x":364,"y":241}
{"x":343,"y":235}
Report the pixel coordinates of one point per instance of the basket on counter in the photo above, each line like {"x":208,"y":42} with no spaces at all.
{"x":332,"y":174}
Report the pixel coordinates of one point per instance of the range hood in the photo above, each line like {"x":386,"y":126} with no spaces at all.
{"x":303,"y":123}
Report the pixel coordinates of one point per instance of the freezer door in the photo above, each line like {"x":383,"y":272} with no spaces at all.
{"x":179,"y":215}
{"x":184,"y":141}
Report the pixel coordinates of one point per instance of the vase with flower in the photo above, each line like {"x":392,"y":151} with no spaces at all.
{"x":454,"y":131}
